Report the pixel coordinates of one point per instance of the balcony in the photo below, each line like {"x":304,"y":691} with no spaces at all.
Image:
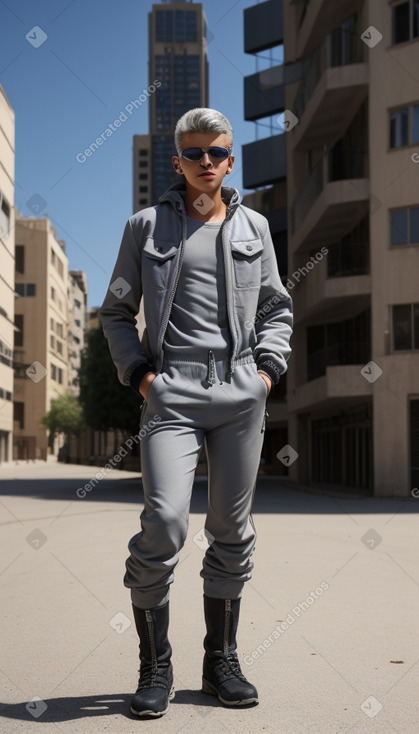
{"x":263,"y":27}
{"x":320,"y":17}
{"x":264,"y":161}
{"x":347,"y":259}
{"x":342,"y":353}
{"x":334,"y":84}
{"x":332,"y":199}
{"x":318,"y":296}
{"x":340,"y":387}
{"x":264,"y":93}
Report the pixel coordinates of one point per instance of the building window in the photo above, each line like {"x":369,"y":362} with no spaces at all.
{"x":52,"y":341}
{"x":143,"y":189}
{"x":404,"y":226}
{"x":51,"y":324}
{"x":178,"y":26}
{"x":143,"y":164}
{"x":405,"y":21}
{"x":399,"y":128}
{"x":52,"y":257}
{"x":52,"y":293}
{"x":404,"y":126}
{"x":143,"y":151}
{"x":25,"y":289}
{"x":53,"y":372}
{"x":4,"y":216}
{"x":19,"y":414}
{"x":20,"y":259}
{"x":143,"y":201}
{"x":414,"y":442}
{"x":60,"y":376}
{"x":59,"y":347}
{"x":19,"y":333}
{"x":142,"y":176}
{"x":77,"y":303}
{"x":406,"y":327}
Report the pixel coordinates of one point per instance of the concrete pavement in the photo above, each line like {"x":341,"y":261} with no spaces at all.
{"x":329,"y":620}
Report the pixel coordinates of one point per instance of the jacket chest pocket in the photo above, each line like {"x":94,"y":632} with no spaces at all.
{"x":157,"y":262}
{"x":247,"y":262}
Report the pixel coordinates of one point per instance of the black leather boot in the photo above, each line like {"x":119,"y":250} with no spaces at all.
{"x":222,"y":675}
{"x":155,"y":686}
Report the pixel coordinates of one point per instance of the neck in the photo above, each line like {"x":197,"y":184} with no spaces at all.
{"x":195,"y":198}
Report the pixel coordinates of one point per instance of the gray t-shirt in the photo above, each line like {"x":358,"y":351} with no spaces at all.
{"x":198,"y":320}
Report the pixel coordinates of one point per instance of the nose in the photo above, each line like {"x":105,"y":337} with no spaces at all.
{"x":205,"y":160}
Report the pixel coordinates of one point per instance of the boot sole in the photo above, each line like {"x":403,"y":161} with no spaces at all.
{"x":207,"y":687}
{"x":153,"y":714}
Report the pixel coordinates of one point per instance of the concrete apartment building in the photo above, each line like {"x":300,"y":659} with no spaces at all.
{"x":349,"y":160}
{"x":42,"y":321}
{"x":77,"y":319}
{"x":7,"y":273}
{"x":178,"y":60}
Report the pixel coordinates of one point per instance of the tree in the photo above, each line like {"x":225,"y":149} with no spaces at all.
{"x":106,"y":403}
{"x":64,"y":416}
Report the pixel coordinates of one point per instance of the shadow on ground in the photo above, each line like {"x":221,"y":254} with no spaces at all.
{"x":62,"y":709}
{"x":273,"y":495}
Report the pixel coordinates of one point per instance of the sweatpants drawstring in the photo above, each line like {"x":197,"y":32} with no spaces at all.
{"x":211,"y":376}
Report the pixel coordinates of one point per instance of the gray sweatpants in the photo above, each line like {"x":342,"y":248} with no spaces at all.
{"x":190,"y":403}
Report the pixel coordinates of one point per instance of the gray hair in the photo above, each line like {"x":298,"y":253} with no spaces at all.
{"x":202,"y":120}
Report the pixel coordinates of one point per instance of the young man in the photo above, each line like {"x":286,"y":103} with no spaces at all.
{"x":218,"y":327}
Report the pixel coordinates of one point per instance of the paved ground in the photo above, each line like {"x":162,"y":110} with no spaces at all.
{"x":329,"y":621}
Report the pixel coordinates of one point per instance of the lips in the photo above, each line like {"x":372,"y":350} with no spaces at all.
{"x":206,"y":175}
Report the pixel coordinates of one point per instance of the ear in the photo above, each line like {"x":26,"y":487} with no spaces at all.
{"x":230,"y":163}
{"x":176,"y":164}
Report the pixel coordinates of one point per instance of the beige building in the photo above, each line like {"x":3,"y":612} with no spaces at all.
{"x":41,"y":339}
{"x":352,"y":162}
{"x":7,"y":273}
{"x":77,"y":318}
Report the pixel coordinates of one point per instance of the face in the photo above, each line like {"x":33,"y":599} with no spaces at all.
{"x":206,"y":174}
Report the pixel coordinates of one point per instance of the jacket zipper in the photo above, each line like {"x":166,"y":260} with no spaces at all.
{"x":227,"y":616}
{"x":166,"y":316}
{"x":149,"y":620}
{"x":229,"y":289}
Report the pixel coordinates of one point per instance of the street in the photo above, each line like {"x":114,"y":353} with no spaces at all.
{"x":328,"y":629}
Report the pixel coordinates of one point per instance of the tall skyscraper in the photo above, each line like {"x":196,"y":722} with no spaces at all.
{"x":178,"y":60}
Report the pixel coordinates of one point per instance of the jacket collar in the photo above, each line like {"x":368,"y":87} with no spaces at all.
{"x":175,"y":195}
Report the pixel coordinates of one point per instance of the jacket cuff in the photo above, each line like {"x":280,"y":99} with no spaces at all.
{"x":271,"y":369}
{"x":138,"y":375}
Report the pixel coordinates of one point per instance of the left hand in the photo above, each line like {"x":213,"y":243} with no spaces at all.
{"x":267,"y":380}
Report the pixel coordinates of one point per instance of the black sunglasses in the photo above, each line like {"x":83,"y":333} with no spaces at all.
{"x":195,"y":154}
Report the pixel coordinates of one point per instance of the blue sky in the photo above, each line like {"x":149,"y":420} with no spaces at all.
{"x":66,"y":91}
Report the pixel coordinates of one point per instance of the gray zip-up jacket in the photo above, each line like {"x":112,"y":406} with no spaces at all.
{"x":148,"y":266}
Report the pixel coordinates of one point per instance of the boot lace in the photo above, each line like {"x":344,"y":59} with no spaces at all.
{"x":152,"y":676}
{"x":228,"y":667}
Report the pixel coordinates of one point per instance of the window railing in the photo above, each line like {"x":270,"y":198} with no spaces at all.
{"x":342,"y":353}
{"x":340,"y":48}
{"x":337,"y":164}
{"x":348,"y":258}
